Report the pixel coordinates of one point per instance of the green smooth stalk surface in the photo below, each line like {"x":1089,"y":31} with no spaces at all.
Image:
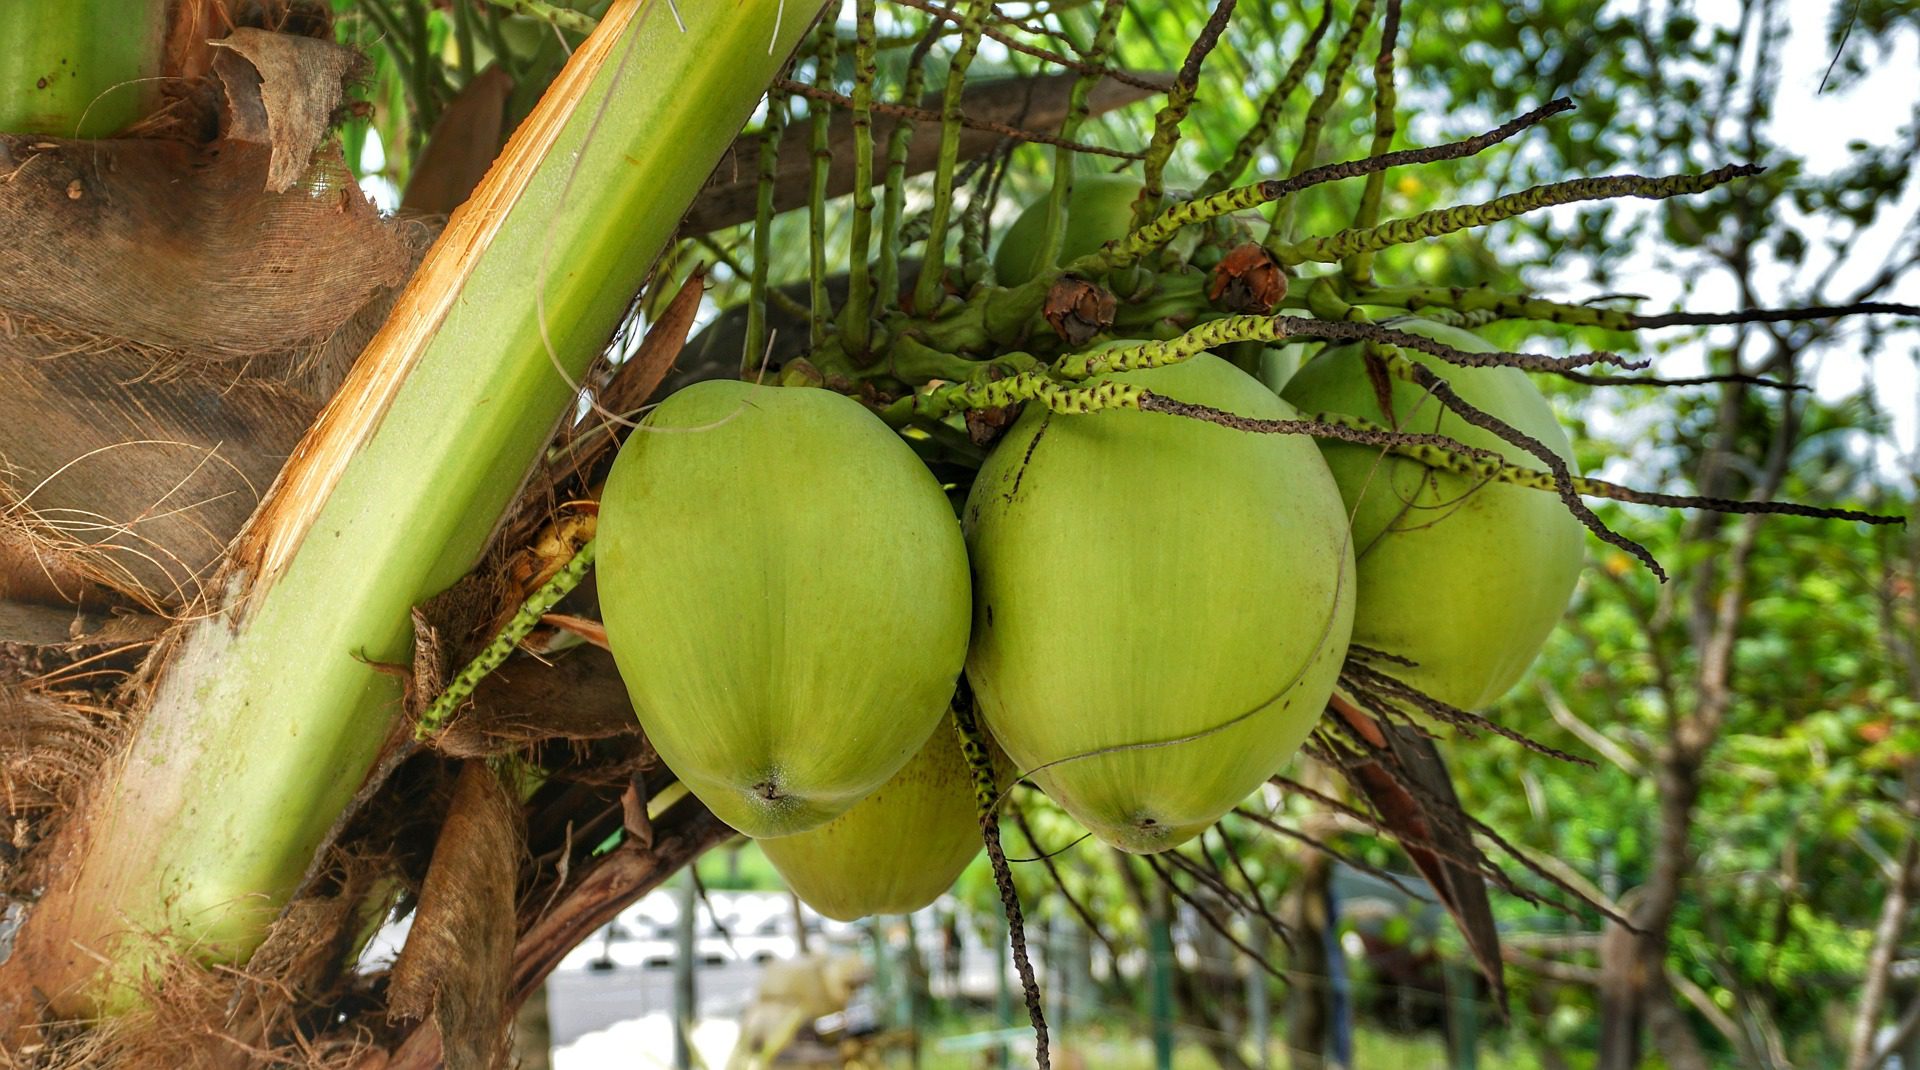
{"x":272,"y":713}
{"x":79,"y":68}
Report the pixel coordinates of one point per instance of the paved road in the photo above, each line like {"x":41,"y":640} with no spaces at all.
{"x":583,"y":1001}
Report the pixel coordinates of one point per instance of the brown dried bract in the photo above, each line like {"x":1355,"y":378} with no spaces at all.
{"x":458,"y":958}
{"x":985,"y":425}
{"x":1078,"y":309}
{"x":1247,"y":280}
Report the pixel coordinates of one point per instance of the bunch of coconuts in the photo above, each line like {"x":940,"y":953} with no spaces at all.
{"x":1152,"y":611}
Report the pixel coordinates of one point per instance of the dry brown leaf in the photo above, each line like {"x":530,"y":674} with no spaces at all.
{"x":282,"y":90}
{"x":578,"y":696}
{"x":464,"y":141}
{"x":586,"y":628}
{"x":633,"y":811}
{"x":1431,"y":840}
{"x":456,"y":965}
{"x":49,"y":750}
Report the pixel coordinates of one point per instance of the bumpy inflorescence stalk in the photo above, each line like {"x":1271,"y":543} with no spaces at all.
{"x":518,"y":627}
{"x":1166,"y":122}
{"x":1441,"y":221}
{"x":1229,"y":330}
{"x":986,"y":795}
{"x":1494,"y":305}
{"x":1359,"y":267}
{"x":1316,"y":119}
{"x":1269,"y":118}
{"x":1483,"y":465}
{"x":1161,"y":230}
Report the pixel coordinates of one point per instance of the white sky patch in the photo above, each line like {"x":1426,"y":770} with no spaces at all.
{"x":1820,"y":129}
{"x":378,"y":187}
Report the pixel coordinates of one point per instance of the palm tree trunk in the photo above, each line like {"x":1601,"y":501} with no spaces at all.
{"x":269,"y":712}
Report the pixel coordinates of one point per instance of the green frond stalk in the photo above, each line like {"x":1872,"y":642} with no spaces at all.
{"x":273,"y":710}
{"x":821,"y":121}
{"x":1359,"y":267}
{"x":1316,"y":120}
{"x":926,"y":292}
{"x":79,"y":68}
{"x":856,"y":324}
{"x":1443,"y":221}
{"x":1270,"y":110}
{"x":770,"y":132}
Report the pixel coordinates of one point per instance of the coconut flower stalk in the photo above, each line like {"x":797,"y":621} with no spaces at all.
{"x":270,"y":711}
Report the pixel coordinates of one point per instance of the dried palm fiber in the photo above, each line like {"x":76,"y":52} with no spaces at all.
{"x":167,"y":331}
{"x":48,"y":749}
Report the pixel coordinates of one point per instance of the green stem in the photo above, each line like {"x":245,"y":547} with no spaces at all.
{"x":1053,"y":234}
{"x":1336,"y":79}
{"x":926,"y":293}
{"x":1166,"y":121}
{"x":1269,"y":118}
{"x":822,"y":124}
{"x":428,"y":74}
{"x":392,"y":38}
{"x":463,"y":38}
{"x":1442,"y":221}
{"x":79,"y":68}
{"x":757,"y":291}
{"x":913,"y":362}
{"x":1359,"y":267}
{"x":894,"y":195}
{"x":856,"y":325}
{"x":974,"y":266}
{"x":497,"y":41}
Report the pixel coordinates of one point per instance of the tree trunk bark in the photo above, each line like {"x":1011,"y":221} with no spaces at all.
{"x":268,"y":714}
{"x":1633,"y":964}
{"x":1309,"y":998}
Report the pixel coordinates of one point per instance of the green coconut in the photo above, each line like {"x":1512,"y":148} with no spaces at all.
{"x":1099,"y":209}
{"x":785,"y":592}
{"x":1150,"y":579}
{"x":898,"y":848}
{"x":1465,"y":579}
